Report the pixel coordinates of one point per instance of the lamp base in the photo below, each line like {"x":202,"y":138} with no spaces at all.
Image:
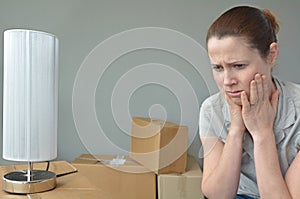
{"x":19,"y":182}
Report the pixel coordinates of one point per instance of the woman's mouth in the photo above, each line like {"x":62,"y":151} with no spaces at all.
{"x":234,"y":93}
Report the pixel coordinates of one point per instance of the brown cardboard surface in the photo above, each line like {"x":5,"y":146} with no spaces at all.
{"x":70,"y":183}
{"x":128,"y":181}
{"x":58,"y":167}
{"x":160,"y":146}
{"x":73,"y":186}
{"x":182,"y":186}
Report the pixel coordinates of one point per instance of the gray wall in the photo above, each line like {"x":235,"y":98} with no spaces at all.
{"x":87,"y":97}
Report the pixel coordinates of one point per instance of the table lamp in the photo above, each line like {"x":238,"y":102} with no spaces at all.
{"x":30,"y":107}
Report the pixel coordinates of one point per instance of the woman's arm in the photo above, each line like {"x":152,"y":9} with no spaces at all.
{"x":222,"y":163}
{"x":270,"y":180}
{"x":292,"y":178}
{"x":259,"y":115}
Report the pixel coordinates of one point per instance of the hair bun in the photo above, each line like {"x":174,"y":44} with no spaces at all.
{"x":272,"y":20}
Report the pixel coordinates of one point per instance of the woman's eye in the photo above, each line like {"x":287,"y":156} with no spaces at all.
{"x":217,"y":68}
{"x":240,"y":66}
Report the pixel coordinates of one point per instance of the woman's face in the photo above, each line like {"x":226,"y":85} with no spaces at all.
{"x":235,"y":64}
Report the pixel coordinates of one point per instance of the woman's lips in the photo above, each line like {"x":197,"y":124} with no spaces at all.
{"x":234,"y":93}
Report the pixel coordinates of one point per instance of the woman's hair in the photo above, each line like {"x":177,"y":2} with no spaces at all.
{"x":258,"y":27}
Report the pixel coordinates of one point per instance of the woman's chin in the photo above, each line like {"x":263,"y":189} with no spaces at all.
{"x":237,"y":101}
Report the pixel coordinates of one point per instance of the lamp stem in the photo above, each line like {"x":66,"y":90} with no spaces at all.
{"x":29,"y":170}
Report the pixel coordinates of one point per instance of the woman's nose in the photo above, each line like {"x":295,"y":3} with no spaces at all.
{"x":229,"y":78}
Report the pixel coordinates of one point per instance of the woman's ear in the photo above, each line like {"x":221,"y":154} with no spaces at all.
{"x":273,"y":53}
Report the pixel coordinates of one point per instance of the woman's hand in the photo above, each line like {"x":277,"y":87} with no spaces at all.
{"x":237,"y":123}
{"x":260,"y":110}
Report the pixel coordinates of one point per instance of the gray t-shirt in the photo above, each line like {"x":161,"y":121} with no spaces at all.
{"x":215,"y":121}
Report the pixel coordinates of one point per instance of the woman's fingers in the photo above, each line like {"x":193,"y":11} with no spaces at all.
{"x":265,"y":88}
{"x":245,"y":103}
{"x":253,"y":93}
{"x":259,"y":87}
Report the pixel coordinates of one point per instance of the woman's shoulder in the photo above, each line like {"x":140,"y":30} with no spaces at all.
{"x":292,"y":90}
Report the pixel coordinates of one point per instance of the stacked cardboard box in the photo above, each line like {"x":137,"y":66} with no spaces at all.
{"x":182,"y":186}
{"x":122,"y":179}
{"x":89,"y":178}
{"x":70,"y":183}
{"x":158,"y":168}
{"x":160,"y":146}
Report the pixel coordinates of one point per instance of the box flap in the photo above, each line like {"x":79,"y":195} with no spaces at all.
{"x":129,"y":166}
{"x":158,"y":122}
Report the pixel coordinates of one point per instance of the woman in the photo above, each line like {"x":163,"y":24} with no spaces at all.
{"x":250,"y":130}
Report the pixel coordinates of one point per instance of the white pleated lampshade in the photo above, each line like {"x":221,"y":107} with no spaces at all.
{"x":30,"y":95}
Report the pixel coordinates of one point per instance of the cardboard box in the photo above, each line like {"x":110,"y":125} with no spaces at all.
{"x":87,"y":178}
{"x":70,"y":183}
{"x":182,"y":186}
{"x":124,"y":181}
{"x":160,"y":146}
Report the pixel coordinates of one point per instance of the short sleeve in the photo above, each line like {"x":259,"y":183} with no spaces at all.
{"x":211,"y":118}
